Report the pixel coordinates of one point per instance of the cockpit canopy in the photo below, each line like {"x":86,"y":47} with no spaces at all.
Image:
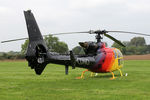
{"x":118,"y":56}
{"x":119,"y":53}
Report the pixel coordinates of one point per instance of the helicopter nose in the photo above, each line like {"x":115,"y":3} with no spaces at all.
{"x":83,"y":44}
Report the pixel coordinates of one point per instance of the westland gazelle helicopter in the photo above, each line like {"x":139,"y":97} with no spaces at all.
{"x":97,"y":58}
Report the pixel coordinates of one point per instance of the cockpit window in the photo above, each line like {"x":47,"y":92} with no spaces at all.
{"x":120,"y":57}
{"x":119,"y":53}
{"x":115,"y":53}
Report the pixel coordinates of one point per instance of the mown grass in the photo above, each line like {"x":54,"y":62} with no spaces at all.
{"x":18,"y":82}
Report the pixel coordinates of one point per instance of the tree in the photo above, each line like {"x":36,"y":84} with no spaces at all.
{"x":138,"y":41}
{"x":130,"y":50}
{"x":52,"y":43}
{"x":24,"y":47}
{"x":55,"y":45}
{"x":148,"y":49}
{"x":126,"y":43}
{"x":78,"y":50}
{"x":137,"y":45}
{"x":141,"y":50}
{"x":60,"y":47}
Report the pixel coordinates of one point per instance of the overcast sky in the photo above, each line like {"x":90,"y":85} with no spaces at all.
{"x":74,"y":15}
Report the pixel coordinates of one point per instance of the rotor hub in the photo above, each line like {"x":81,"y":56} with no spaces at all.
{"x":99,"y":34}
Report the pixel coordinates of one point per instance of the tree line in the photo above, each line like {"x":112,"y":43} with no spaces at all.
{"x":11,"y":55}
{"x":53,"y":44}
{"x":136,"y":46}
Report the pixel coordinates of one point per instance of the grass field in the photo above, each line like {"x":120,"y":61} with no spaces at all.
{"x":18,"y":82}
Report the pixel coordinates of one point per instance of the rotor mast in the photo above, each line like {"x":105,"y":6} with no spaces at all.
{"x":99,"y":34}
{"x":99,"y":37}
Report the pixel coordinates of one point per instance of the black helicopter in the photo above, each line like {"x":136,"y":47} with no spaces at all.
{"x":97,"y":58}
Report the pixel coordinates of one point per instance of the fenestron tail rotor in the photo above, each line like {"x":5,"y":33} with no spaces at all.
{"x":97,"y":32}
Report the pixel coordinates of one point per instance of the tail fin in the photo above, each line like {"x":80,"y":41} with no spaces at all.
{"x":32,"y":27}
{"x":37,"y":49}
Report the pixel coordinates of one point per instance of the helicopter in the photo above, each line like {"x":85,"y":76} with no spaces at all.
{"x":97,"y":58}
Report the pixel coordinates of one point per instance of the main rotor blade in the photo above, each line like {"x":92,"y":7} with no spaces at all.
{"x":129,"y":32}
{"x":14,"y":40}
{"x":90,"y":32}
{"x":115,"y":40}
{"x":46,"y":35}
{"x":69,"y":33}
